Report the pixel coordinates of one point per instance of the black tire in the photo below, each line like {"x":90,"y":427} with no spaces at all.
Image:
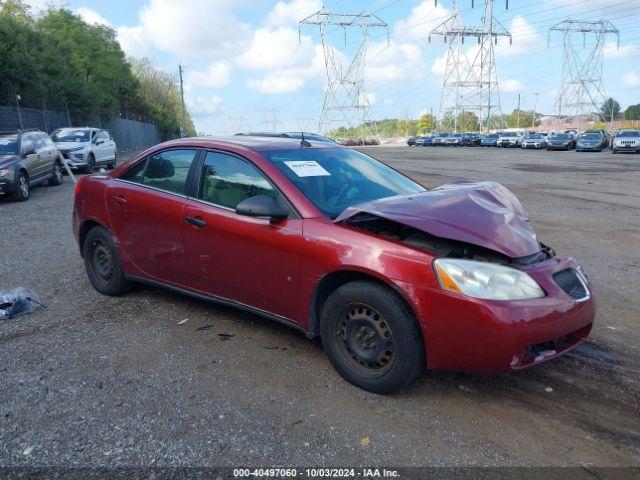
{"x":91,"y":164}
{"x":102,"y":263}
{"x":56,"y":177}
{"x":371,"y":338}
{"x":23,"y":192}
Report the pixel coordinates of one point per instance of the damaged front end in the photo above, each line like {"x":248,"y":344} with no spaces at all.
{"x":482,"y":221}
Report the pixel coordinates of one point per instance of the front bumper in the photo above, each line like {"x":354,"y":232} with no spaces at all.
{"x":491,"y":337}
{"x":7,"y":186}
{"x":507,"y":144}
{"x":75,"y":160}
{"x":535,"y":146}
{"x":593,"y":148}
{"x":563,"y":146}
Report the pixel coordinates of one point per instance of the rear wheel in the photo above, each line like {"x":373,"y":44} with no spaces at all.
{"x":371,"y":337}
{"x":102,"y":263}
{"x":56,"y":176}
{"x":22,"y":187}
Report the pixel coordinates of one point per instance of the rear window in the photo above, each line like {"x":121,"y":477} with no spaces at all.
{"x":9,"y":145}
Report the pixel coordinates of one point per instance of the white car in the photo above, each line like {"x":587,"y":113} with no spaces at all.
{"x":534,"y":140}
{"x":626,"y":141}
{"x":510,"y":139}
{"x":86,"y":147}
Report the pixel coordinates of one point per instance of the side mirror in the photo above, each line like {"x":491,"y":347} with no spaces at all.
{"x":99,"y":141}
{"x":30,"y":151}
{"x":262,"y":206}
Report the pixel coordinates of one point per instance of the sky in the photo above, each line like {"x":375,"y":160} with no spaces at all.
{"x":249,"y":67}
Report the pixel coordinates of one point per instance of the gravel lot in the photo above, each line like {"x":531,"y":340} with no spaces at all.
{"x":93,"y":380}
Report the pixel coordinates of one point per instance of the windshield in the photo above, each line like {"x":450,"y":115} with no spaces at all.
{"x":591,"y":136}
{"x":9,"y":145}
{"x":630,"y":133}
{"x":336,"y":178}
{"x":560,"y":137}
{"x":70,"y":135}
{"x":535,"y":136}
{"x":508,"y":134}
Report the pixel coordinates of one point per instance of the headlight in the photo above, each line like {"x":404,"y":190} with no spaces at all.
{"x":4,"y":172}
{"x":488,"y":281}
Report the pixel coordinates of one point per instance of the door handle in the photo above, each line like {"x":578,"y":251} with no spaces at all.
{"x":196,"y":221}
{"x":120,"y":200}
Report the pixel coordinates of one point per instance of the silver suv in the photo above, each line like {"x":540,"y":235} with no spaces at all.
{"x":626,"y":141}
{"x":27,"y":158}
{"x":86,"y":147}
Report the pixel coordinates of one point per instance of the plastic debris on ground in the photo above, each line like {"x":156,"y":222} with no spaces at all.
{"x":17,"y":302}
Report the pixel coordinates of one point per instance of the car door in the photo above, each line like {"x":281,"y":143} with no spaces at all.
{"x":100,"y":146}
{"x":46,"y":150}
{"x":250,"y":260}
{"x":31,"y":158}
{"x":145,"y":207}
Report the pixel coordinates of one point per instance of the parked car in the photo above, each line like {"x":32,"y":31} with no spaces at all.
{"x":420,"y":141}
{"x":593,"y":142}
{"x":411,"y":141}
{"x":27,"y":158}
{"x":470,"y":140}
{"x":489,"y":140}
{"x":605,"y":136}
{"x":510,"y":139}
{"x":560,"y":141}
{"x":85,"y":148}
{"x":439,"y":138}
{"x":427,"y":141}
{"x":338,"y":245}
{"x":453,"y":140}
{"x":348,"y":142}
{"x":534,"y":140}
{"x":626,"y":141}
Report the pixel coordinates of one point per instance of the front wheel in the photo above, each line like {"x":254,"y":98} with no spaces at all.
{"x":102,"y":263}
{"x":371,"y":337}
{"x":91,"y":164}
{"x":22,"y":187}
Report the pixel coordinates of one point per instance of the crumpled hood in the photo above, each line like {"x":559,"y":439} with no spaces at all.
{"x":486,"y":214}
{"x":6,"y":160}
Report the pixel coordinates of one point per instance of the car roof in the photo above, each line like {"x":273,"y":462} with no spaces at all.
{"x":255,"y":143}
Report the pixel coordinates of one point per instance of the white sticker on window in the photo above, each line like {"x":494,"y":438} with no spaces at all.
{"x":307,"y":168}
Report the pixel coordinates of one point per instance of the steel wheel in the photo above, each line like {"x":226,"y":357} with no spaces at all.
{"x":366,"y":339}
{"x":102,"y":261}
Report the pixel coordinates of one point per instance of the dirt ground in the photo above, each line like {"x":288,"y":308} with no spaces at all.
{"x":99,"y":381}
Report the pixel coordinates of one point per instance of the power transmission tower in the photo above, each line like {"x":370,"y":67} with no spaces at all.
{"x":345,"y":102}
{"x":471,"y":83}
{"x":183,"y":126}
{"x":270,"y":116}
{"x":582,"y":90}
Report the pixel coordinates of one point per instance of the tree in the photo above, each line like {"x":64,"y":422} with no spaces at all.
{"x":426,"y":123}
{"x":161,"y":97}
{"x":522,"y":119}
{"x":468,"y":122}
{"x":632,"y":112}
{"x":610,"y":110}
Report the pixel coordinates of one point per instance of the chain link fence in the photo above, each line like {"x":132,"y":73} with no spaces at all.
{"x":129,"y":135}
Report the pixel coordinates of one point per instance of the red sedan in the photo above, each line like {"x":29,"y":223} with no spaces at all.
{"x":392,"y":276}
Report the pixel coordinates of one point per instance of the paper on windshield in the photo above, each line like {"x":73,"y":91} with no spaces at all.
{"x":307,"y":168}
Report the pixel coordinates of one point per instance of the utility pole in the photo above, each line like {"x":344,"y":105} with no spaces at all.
{"x":18,"y":111}
{"x":518,"y":113}
{"x":535,"y":109}
{"x":183,"y":127}
{"x":345,"y":102}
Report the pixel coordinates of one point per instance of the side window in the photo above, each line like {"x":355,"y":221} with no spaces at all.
{"x":227,"y":181}
{"x":41,"y":140}
{"x":168,"y":170}
{"x":135,"y":173}
{"x":102,"y":135}
{"x":27,"y":143}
